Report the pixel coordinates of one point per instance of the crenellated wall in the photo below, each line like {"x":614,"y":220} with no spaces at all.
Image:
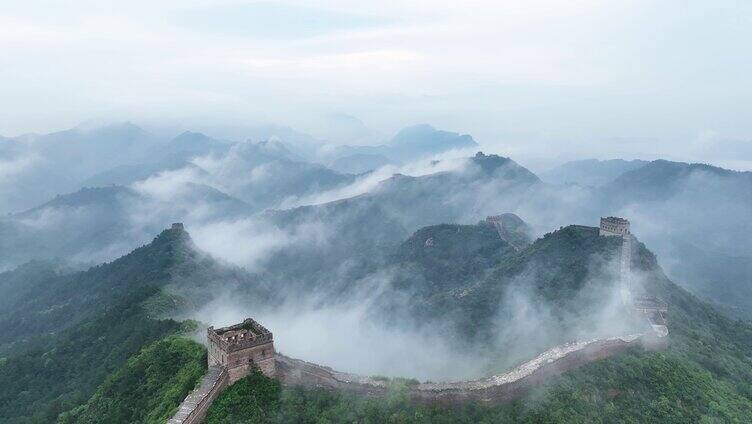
{"x":194,"y":407}
{"x":490,"y":390}
{"x":240,"y":347}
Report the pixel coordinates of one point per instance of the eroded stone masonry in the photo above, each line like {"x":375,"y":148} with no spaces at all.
{"x":235,"y":350}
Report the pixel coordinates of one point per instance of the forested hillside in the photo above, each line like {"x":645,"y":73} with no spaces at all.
{"x":52,"y":373}
{"x":71,"y":335}
{"x":108,"y":352}
{"x":148,"y":387}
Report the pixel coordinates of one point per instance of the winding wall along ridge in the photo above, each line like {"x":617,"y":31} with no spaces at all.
{"x":494,"y":389}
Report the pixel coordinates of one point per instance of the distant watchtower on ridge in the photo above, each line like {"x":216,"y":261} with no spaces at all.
{"x":614,"y":226}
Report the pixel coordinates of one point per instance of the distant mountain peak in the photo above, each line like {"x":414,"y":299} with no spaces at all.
{"x":277,"y":148}
{"x":491,"y":164}
{"x":191,"y":135}
{"x":658,"y":178}
{"x":423,"y":140}
{"x":689,"y":167}
{"x":85,"y":196}
{"x":192,"y":140}
{"x":171,"y":248}
{"x":416,"y":129}
{"x":126,"y":130}
{"x":591,"y":172}
{"x":191,"y":143}
{"x":425,"y":133}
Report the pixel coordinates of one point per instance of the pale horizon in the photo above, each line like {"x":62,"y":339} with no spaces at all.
{"x":579,"y":80}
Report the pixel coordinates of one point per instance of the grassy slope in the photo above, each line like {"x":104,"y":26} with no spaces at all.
{"x":148,"y":388}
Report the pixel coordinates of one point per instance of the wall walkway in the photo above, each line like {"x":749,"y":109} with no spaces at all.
{"x":194,"y":407}
{"x":490,"y":390}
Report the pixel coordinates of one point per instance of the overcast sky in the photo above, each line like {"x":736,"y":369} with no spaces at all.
{"x":525,"y":78}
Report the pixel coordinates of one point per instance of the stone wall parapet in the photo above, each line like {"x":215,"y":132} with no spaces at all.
{"x":193,"y":409}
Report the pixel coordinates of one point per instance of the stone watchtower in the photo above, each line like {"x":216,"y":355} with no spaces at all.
{"x":232,"y":352}
{"x":614,"y":226}
{"x":238,"y":347}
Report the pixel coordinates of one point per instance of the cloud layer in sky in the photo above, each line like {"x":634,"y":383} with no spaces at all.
{"x":591,"y":78}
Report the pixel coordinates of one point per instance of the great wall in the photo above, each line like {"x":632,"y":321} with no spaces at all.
{"x":233,"y":351}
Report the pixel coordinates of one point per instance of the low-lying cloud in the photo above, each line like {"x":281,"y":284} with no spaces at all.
{"x":450,"y":161}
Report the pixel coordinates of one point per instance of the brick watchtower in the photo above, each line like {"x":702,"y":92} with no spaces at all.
{"x":238,"y":347}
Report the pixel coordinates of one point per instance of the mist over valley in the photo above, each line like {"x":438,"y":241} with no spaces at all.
{"x":328,"y":212}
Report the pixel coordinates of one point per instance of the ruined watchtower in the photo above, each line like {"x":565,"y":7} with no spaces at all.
{"x":614,"y":226}
{"x":238,"y":347}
